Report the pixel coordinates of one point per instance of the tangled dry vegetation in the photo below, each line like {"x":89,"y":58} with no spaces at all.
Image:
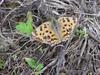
{"x":79,"y":56}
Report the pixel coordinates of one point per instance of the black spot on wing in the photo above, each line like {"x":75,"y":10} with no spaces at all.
{"x":46,"y":31}
{"x":68,"y":19}
{"x":63,"y":27}
{"x":65,"y":24}
{"x":71,"y":23}
{"x":63,"y":31}
{"x":53,"y":39}
{"x":65,"y":34}
{"x":40,"y":34}
{"x":48,"y":37}
{"x":45,"y":26}
{"x":44,"y":37}
{"x":63,"y":20}
{"x":48,"y":24}
{"x":41,"y":28}
{"x":69,"y":29}
{"x":36,"y":33}
{"x":53,"y":35}
{"x":43,"y":33}
{"x":50,"y":32}
{"x":74,"y":20}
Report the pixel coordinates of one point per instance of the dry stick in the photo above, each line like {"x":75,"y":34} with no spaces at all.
{"x":61,"y":59}
{"x":18,"y":39}
{"x":1,"y":2}
{"x":52,"y":69}
{"x":92,"y":36}
{"x":75,"y":48}
{"x":78,"y":45}
{"x":94,"y":24}
{"x":11,"y":30}
{"x":98,"y":25}
{"x":9,"y":14}
{"x":17,"y":50}
{"x":42,"y":55}
{"x":2,"y":36}
{"x":75,"y":44}
{"x":83,"y":49}
{"x":41,"y":58}
{"x":7,"y":17}
{"x":83,"y":13}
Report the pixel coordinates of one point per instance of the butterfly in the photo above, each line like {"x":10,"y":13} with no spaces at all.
{"x":47,"y":33}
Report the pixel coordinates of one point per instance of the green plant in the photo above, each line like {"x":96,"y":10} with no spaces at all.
{"x":80,"y":32}
{"x":26,"y":27}
{"x":2,"y":62}
{"x":34,"y":65}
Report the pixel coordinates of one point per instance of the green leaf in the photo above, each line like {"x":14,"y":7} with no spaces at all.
{"x":80,"y":32}
{"x":21,"y":27}
{"x":36,"y":73}
{"x":2,"y":62}
{"x":26,"y":27}
{"x":29,"y":21}
{"x":39,"y":67}
{"x":29,"y":18}
{"x":32,"y":63}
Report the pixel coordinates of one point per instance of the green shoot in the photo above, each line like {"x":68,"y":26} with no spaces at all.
{"x":26,"y":27}
{"x":80,"y":32}
{"x":2,"y":62}
{"x":33,"y":64}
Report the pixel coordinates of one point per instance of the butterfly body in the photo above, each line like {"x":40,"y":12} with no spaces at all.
{"x":51,"y":35}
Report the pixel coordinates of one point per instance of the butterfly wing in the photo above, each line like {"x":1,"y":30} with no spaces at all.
{"x":67,"y":25}
{"x":45,"y":33}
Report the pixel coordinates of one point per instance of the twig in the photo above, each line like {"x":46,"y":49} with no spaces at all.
{"x":92,"y":36}
{"x":1,"y":2}
{"x":83,"y":49}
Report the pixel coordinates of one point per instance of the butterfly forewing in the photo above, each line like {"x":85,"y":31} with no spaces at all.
{"x":46,"y":34}
{"x":67,"y":25}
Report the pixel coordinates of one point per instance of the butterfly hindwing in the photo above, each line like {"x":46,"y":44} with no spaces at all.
{"x":67,"y":25}
{"x":46,"y":34}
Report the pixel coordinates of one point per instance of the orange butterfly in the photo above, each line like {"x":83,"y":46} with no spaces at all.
{"x":47,"y":34}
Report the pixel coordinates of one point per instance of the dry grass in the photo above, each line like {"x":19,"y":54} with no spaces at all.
{"x":80,"y":56}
